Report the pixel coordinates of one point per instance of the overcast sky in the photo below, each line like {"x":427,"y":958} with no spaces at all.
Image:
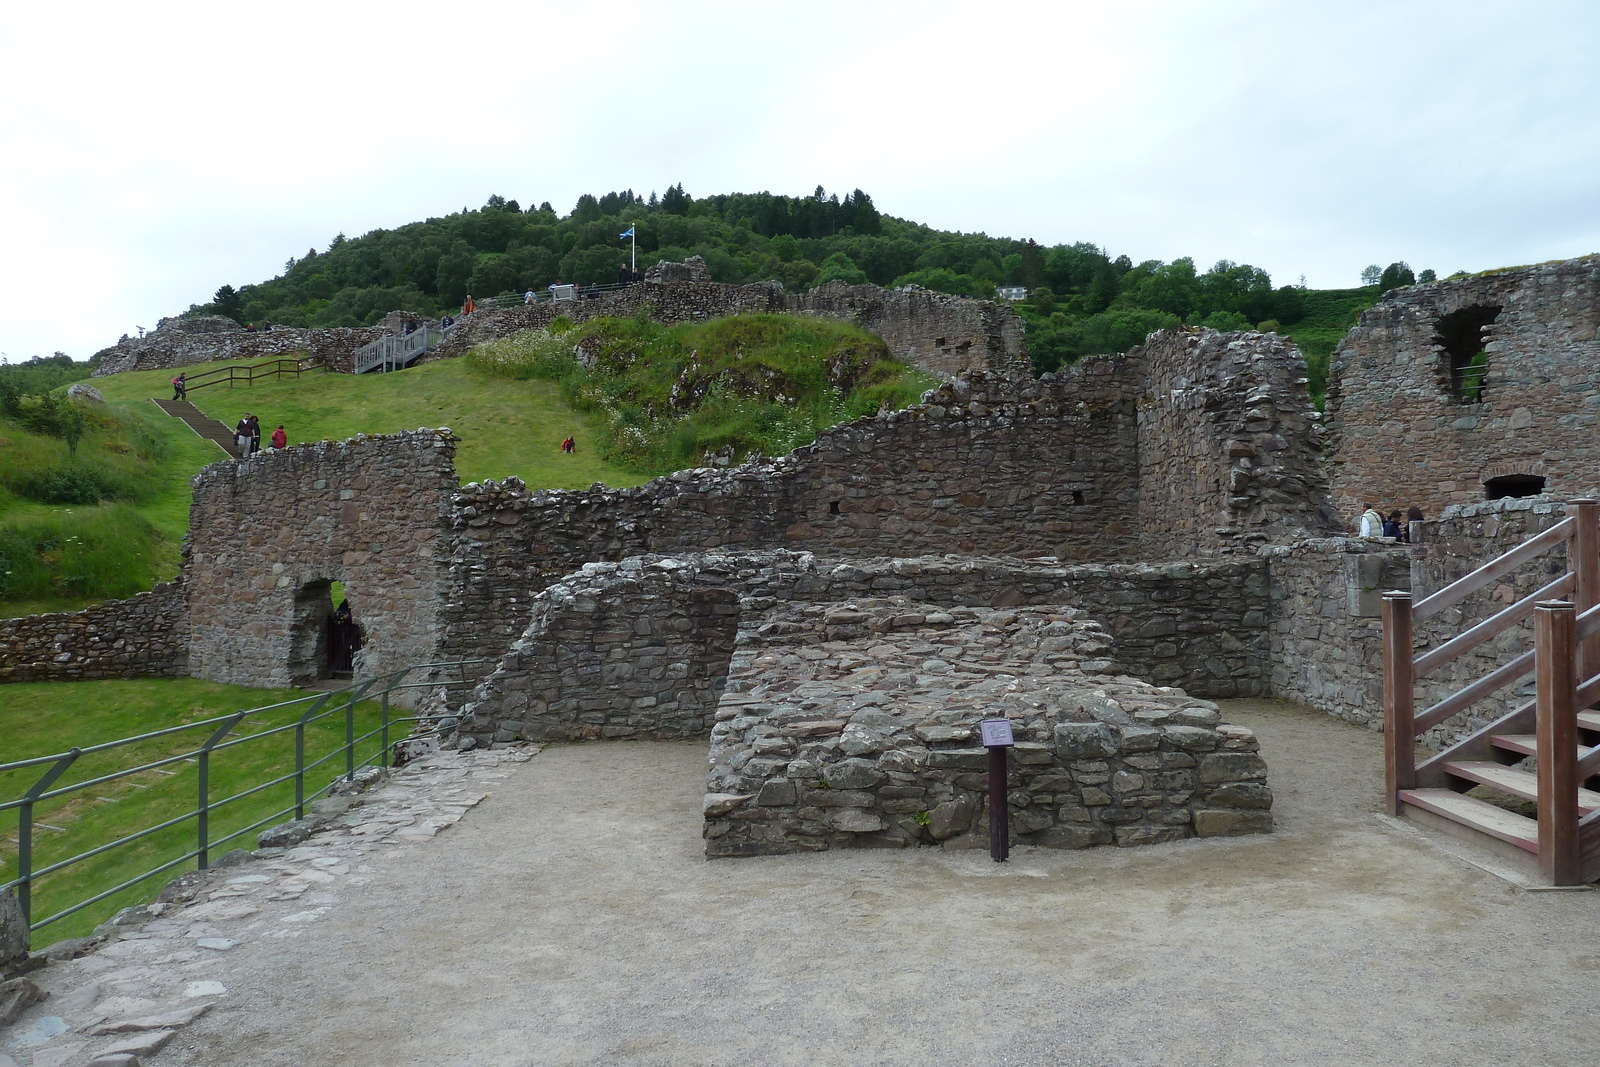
{"x":149,"y":153}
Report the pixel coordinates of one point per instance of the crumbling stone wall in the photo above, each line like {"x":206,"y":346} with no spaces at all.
{"x":1199,"y":626}
{"x":1327,"y":635}
{"x":1403,"y":433}
{"x":1229,"y":446}
{"x":992,"y":466}
{"x":267,"y":535}
{"x":177,"y":342}
{"x":146,"y":636}
{"x":853,"y":725}
{"x":942,"y":334}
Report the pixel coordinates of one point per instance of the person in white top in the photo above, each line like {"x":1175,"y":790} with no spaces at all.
{"x":1371,"y":522}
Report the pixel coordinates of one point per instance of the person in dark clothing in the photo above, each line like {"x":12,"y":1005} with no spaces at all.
{"x":344,"y":638}
{"x":241,"y":435}
{"x":255,"y":435}
{"x":1391,"y":525}
{"x":636,"y":277}
{"x":180,"y":387}
{"x":624,"y":275}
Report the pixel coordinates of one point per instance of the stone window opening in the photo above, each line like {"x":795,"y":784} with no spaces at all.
{"x":1077,"y":496}
{"x":1512,"y":485}
{"x":1460,"y":335}
{"x":833,"y":507}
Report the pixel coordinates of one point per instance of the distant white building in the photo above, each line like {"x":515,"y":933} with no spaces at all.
{"x":1013,"y":292}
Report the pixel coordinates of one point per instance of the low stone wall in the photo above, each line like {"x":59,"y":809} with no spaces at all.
{"x":179,"y":342}
{"x":853,"y":725}
{"x":600,"y":659}
{"x":1326,"y":636}
{"x":146,"y":636}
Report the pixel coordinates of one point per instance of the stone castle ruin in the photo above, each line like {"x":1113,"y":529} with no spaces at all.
{"x":1097,"y":554}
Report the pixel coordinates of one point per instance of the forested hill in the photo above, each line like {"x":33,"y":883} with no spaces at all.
{"x":1082,"y":298}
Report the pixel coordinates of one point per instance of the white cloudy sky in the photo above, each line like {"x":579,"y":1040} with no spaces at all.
{"x":151,"y":152}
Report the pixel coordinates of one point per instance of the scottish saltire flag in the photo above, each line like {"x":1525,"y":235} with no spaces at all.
{"x":628,"y":234}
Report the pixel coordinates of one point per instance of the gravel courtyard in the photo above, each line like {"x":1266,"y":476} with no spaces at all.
{"x":571,"y":919}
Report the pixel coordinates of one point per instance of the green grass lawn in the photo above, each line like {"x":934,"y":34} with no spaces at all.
{"x":506,"y":427}
{"x":51,"y":717}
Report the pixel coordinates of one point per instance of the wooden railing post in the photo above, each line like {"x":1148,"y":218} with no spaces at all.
{"x":1583,"y":559}
{"x":1399,"y":709}
{"x":1555,"y":632}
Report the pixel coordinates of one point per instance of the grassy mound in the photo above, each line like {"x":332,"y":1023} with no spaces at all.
{"x":674,"y":396}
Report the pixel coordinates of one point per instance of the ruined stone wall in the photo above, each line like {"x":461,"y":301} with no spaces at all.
{"x":1229,"y":446}
{"x":267,"y":535}
{"x":1401,"y":434}
{"x":146,"y":636}
{"x":178,"y":343}
{"x":1326,"y":643}
{"x":1030,"y":468}
{"x":942,"y":334}
{"x":1201,"y":626}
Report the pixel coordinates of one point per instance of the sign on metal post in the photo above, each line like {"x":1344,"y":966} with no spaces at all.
{"x":996,"y":735}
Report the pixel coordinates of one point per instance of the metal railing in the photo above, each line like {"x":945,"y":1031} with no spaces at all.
{"x":556,"y":293}
{"x":273,"y":368}
{"x":395,"y":351}
{"x":318,"y":706}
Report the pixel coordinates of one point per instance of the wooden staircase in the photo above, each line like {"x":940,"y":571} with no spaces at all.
{"x":201,"y":423}
{"x":1557,"y":729}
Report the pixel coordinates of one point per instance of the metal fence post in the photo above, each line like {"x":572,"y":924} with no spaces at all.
{"x":203,"y":812}
{"x":350,"y":737}
{"x":300,"y":755}
{"x":25,"y":830}
{"x":383,"y":753}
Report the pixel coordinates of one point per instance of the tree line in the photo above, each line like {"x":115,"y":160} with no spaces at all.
{"x":1080,"y":298}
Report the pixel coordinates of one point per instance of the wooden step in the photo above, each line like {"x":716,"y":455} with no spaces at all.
{"x":1527,"y":744}
{"x":1589,"y":720}
{"x":1524,"y":784}
{"x":1478,"y":815}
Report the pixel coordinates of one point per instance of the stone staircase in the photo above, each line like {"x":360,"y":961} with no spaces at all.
{"x":201,"y":423}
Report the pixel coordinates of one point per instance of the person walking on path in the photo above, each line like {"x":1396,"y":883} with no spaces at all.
{"x":279,"y":438}
{"x":180,"y":387}
{"x":1371,"y":523}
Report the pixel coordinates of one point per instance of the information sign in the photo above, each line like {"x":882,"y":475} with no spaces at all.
{"x":995,"y":732}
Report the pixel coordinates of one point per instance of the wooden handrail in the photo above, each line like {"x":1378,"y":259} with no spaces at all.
{"x":1471,"y":583}
{"x":1468,"y":640}
{"x":248,"y":374}
{"x":1400,"y":728}
{"x":1464,"y":698}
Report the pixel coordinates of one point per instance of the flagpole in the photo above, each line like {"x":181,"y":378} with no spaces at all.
{"x":633,"y":244}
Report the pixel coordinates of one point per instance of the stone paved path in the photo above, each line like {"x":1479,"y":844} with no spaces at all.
{"x":132,"y":997}
{"x":570,"y":919}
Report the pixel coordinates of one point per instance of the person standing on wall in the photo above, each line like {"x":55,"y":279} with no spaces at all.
{"x":624,"y":275}
{"x":1371,"y":522}
{"x":255,"y":435}
{"x":241,"y":436}
{"x":468,"y":306}
{"x":279,"y":438}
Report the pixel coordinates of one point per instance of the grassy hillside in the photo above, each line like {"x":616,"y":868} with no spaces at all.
{"x":60,"y":556}
{"x":46,"y":718}
{"x":1328,"y":317}
{"x":670,"y":396}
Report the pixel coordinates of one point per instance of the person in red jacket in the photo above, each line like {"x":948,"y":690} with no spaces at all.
{"x":279,"y":438}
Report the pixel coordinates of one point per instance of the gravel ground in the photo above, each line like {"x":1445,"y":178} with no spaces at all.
{"x":571,"y":919}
